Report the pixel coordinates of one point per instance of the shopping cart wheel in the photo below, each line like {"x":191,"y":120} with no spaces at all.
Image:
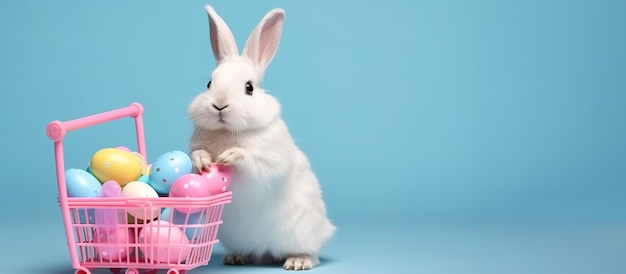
{"x":82,"y":270}
{"x":176,"y":271}
{"x":131,"y":271}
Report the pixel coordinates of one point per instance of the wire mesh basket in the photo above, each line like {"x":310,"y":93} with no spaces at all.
{"x":178,"y":236}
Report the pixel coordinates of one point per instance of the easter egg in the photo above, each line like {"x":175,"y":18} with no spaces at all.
{"x":166,"y":214}
{"x":163,"y":242}
{"x":219,"y":178}
{"x":86,"y":215}
{"x":80,"y":183}
{"x":137,"y":189}
{"x":144,"y":164}
{"x":192,"y":223}
{"x":109,"y":218}
{"x":110,"y":189}
{"x":144,"y":179}
{"x":190,"y":185}
{"x":114,"y":244}
{"x":124,"y":148}
{"x":115,"y":164}
{"x":167,"y":169}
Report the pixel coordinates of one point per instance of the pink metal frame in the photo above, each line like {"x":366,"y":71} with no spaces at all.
{"x":72,"y":206}
{"x":56,"y":131}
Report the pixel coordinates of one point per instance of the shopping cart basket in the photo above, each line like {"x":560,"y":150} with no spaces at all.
{"x":91,"y":248}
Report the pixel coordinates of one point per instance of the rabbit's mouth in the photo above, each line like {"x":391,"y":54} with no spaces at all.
{"x":221,"y":118}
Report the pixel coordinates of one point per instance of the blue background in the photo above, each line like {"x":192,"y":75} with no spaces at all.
{"x":449,"y":136}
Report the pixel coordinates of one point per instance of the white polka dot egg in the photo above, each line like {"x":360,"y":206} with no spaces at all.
{"x":219,"y":178}
{"x":167,"y":169}
{"x":191,"y":185}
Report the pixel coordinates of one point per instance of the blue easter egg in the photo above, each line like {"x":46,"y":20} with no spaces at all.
{"x":167,"y":169}
{"x":191,"y":223}
{"x":144,"y":178}
{"x":80,"y":183}
{"x":87,"y":216}
{"x":166,"y":214}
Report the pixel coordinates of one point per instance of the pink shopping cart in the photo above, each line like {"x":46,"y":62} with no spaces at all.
{"x":185,"y":241}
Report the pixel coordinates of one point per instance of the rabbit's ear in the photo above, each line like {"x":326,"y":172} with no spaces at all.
{"x":222,"y":39}
{"x":263,"y":41}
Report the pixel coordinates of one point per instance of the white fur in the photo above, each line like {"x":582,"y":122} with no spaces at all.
{"x":277,"y":210}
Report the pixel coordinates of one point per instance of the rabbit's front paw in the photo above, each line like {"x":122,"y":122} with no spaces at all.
{"x":231,"y":156}
{"x":201,"y":159}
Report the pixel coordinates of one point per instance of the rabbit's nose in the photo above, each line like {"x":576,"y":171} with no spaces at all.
{"x":220,"y":108}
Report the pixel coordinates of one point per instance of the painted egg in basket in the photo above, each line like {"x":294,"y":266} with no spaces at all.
{"x":163,"y":242}
{"x":219,"y":178}
{"x":137,"y":189}
{"x":80,"y":183}
{"x":167,"y":169}
{"x":190,"y":186}
{"x":115,"y":164}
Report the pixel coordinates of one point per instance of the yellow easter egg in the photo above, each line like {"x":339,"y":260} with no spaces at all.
{"x":115,"y":164}
{"x":144,"y":165}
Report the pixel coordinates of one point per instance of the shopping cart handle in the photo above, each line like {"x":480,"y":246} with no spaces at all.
{"x":56,"y":130}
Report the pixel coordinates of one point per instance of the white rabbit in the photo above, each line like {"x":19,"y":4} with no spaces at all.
{"x":277,"y":214}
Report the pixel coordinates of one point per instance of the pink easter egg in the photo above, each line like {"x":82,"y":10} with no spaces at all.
{"x":219,"y":178}
{"x":124,"y":148}
{"x":164,"y":242}
{"x":190,"y":185}
{"x":113,"y":244}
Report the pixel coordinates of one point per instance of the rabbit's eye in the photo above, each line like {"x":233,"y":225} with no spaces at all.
{"x":208,"y":85}
{"x":249,"y":88}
